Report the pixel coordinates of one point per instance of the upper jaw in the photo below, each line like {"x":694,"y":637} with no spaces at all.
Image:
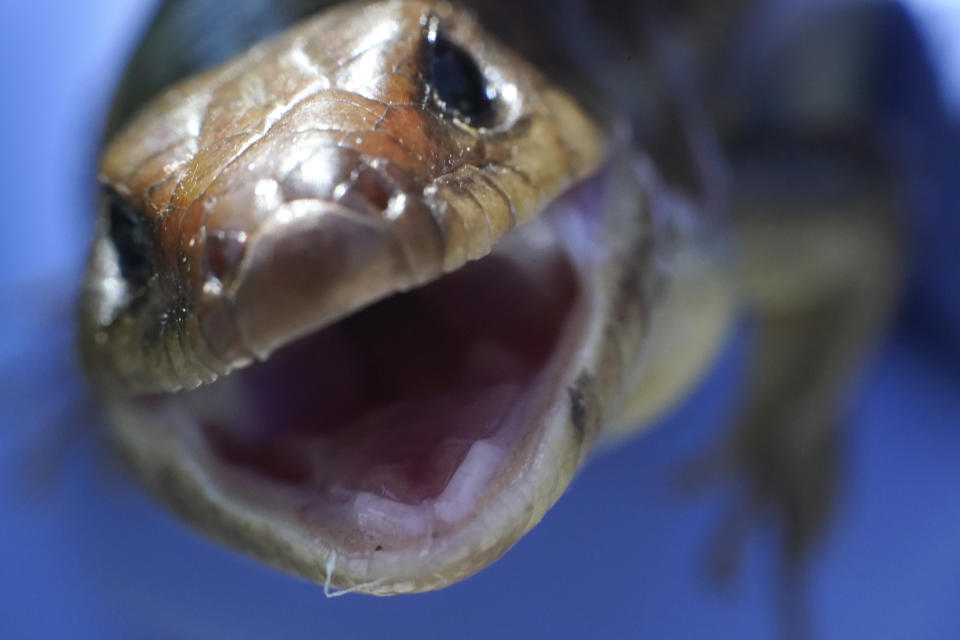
{"x":236,"y":190}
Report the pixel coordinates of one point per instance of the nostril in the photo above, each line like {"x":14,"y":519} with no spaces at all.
{"x":224,"y":253}
{"x":366,"y":191}
{"x":131,"y":238}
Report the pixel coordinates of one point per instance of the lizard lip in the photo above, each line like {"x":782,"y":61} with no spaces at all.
{"x":407,"y":436}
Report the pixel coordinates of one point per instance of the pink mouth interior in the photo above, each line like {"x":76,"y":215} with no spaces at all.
{"x":390,"y":401}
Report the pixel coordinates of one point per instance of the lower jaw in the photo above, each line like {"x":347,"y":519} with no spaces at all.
{"x":409,"y":445}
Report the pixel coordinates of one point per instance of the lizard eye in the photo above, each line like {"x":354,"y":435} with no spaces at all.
{"x":457,"y":84}
{"x":130,"y":238}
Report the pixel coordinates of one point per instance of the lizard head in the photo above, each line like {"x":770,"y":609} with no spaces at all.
{"x":359,"y":297}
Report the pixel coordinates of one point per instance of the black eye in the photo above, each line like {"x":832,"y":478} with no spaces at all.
{"x":130,"y":237}
{"x":459,"y":86}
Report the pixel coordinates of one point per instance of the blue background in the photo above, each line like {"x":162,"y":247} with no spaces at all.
{"x":84,"y":554}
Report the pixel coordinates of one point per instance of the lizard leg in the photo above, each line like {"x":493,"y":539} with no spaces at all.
{"x":818,"y":273}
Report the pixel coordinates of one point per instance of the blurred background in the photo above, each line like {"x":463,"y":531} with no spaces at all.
{"x":85,"y":554}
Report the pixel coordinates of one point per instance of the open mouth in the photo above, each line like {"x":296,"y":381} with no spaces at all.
{"x":401,"y":415}
{"x":432,"y":424}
